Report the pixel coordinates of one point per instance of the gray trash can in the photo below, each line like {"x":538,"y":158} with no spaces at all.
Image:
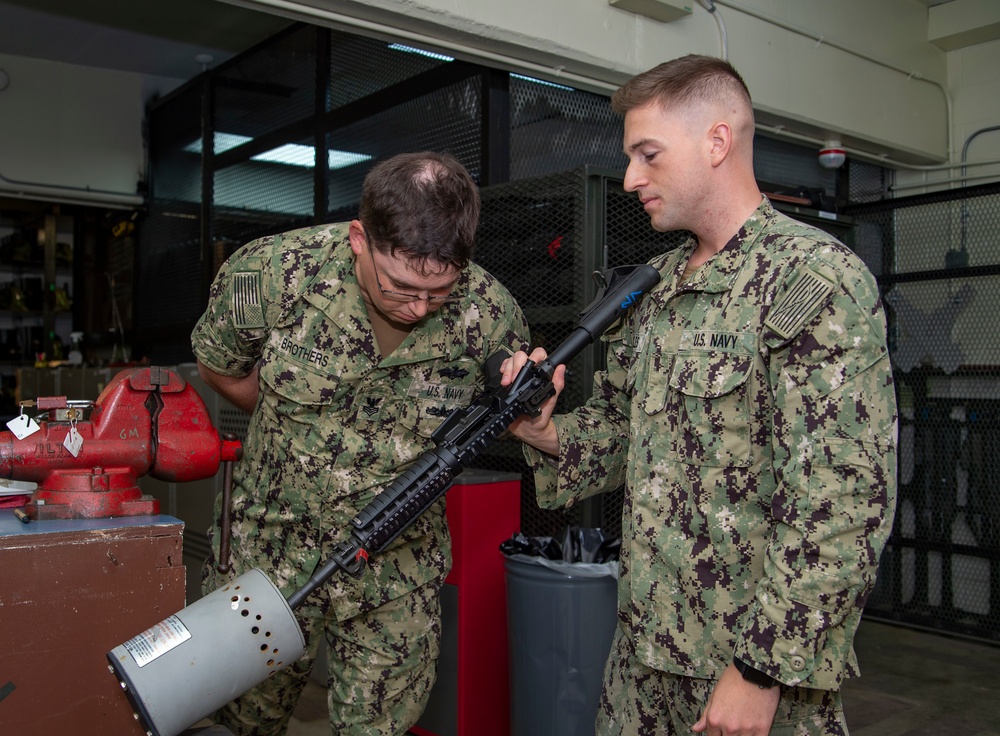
{"x":560,"y":619}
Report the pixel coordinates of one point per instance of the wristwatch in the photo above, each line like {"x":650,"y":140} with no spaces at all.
{"x":758,"y":678}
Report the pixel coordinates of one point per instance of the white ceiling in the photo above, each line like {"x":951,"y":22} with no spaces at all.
{"x":153,"y":37}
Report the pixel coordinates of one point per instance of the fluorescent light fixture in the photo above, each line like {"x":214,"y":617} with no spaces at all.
{"x":220,"y":143}
{"x":292,"y":154}
{"x":421,"y":52}
{"x":299,"y":155}
{"x":543,"y":82}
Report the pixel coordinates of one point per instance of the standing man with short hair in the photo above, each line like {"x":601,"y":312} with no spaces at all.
{"x":749,"y":409}
{"x":349,"y":344}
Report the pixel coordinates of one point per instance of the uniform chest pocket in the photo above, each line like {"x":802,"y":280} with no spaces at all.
{"x":302,"y":386}
{"x":305,"y":368}
{"x":709,"y":396}
{"x":300,"y":392}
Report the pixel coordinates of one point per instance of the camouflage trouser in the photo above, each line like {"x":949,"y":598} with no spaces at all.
{"x":639,"y":701}
{"x":382,"y":666}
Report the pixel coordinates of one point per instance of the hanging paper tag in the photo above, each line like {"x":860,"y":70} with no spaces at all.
{"x":73,"y":441}
{"x":22,"y":426}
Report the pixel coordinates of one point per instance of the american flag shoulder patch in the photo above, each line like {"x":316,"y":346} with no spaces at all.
{"x":248,"y":310}
{"x":799,"y":304}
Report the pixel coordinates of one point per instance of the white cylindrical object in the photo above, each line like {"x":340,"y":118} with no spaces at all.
{"x":832,"y":155}
{"x":197,"y":660}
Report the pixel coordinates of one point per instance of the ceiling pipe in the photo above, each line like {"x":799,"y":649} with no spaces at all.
{"x":964,"y":178}
{"x":968,"y":141}
{"x":68,"y":195}
{"x":723,"y":36}
{"x":872,"y":157}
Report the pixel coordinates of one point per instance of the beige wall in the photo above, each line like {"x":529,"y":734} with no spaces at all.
{"x":974,"y":83}
{"x":65,"y":128}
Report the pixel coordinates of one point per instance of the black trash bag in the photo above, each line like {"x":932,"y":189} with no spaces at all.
{"x":586,"y":551}
{"x":589,"y":545}
{"x":519,"y":544}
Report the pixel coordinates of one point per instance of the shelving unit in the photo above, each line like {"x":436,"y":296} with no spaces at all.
{"x":36,"y":287}
{"x":36,"y":283}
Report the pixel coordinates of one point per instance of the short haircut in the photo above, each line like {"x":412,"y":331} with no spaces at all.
{"x":423,"y":204}
{"x":688,"y":79}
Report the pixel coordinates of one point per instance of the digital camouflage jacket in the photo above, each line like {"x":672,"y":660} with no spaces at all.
{"x":335,"y":421}
{"x":750,"y":412}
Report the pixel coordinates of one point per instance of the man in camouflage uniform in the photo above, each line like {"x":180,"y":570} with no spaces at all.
{"x":350,"y":343}
{"x":749,"y":409}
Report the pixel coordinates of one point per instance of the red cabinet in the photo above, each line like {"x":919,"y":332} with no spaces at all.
{"x":471,"y":695}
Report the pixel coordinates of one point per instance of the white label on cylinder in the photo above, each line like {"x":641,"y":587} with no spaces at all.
{"x":157,"y":641}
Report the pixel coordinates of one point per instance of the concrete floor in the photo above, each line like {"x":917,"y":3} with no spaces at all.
{"x":913,"y":683}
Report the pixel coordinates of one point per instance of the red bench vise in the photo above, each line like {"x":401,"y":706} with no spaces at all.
{"x":147,"y":421}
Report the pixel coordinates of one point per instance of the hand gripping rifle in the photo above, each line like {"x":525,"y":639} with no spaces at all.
{"x":202,"y":657}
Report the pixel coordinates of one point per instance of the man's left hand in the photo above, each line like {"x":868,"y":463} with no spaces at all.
{"x":738,"y":708}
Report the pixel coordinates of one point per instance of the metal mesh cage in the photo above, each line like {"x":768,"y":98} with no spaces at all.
{"x":938,"y":257}
{"x":867,"y":182}
{"x":449,"y":121}
{"x":553,"y":128}
{"x":387,"y":98}
{"x":174,"y":137}
{"x":260,"y":100}
{"x":168,"y":261}
{"x":233,"y":155}
{"x":265,"y":89}
{"x":360,"y":67}
{"x":532,"y":237}
{"x":543,"y":238}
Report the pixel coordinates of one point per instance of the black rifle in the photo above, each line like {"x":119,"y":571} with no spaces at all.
{"x":467,"y":431}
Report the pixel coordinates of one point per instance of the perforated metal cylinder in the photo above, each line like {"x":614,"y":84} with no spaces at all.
{"x":197,"y":660}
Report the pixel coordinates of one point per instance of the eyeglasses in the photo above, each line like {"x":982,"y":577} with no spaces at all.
{"x":398,"y":296}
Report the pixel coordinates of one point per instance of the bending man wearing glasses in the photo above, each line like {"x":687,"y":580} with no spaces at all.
{"x":349,"y":344}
